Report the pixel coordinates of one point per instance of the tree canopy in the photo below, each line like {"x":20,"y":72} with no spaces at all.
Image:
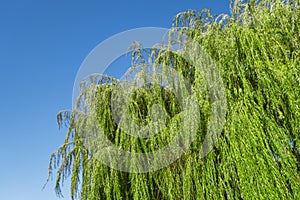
{"x":257,"y":51}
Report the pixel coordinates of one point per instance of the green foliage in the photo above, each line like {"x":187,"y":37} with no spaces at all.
{"x":257,"y":51}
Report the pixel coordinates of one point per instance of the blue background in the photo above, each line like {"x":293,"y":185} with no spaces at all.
{"x":42,"y":44}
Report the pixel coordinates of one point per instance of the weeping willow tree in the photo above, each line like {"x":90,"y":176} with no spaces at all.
{"x":257,"y":52}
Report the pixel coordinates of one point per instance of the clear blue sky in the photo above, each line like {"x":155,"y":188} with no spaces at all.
{"x":42,"y":44}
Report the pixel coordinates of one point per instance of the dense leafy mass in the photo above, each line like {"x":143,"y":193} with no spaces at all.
{"x":257,"y":51}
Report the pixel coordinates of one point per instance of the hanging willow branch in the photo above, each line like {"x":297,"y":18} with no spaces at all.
{"x":257,"y":51}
